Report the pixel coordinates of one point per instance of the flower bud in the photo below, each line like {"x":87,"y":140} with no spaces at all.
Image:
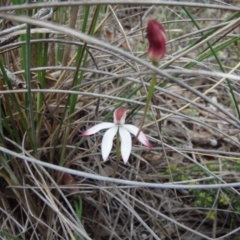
{"x":157,"y":40}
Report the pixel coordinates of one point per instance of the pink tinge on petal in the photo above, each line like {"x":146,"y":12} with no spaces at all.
{"x":126,"y":144}
{"x":144,"y":140}
{"x":97,"y":128}
{"x":107,"y":142}
{"x":141,"y":137}
{"x":157,"y":40}
{"x":119,"y":116}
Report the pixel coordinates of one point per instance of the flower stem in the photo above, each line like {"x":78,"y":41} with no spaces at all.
{"x":149,"y":97}
{"x":118,"y":155}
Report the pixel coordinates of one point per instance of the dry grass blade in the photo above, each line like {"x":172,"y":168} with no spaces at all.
{"x":88,"y":58}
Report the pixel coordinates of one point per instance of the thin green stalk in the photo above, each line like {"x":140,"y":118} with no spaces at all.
{"x":42,"y":54}
{"x":217,"y":48}
{"x":218,"y":61}
{"x":204,"y":36}
{"x":42,"y":58}
{"x":15,"y":102}
{"x":82,"y":54}
{"x":9,"y":125}
{"x":29,"y":98}
{"x":78,"y":78}
{"x":78,"y":204}
{"x":118,"y":154}
{"x":2,"y":117}
{"x":71,"y":101}
{"x":149,"y":97}
{"x":9,"y":236}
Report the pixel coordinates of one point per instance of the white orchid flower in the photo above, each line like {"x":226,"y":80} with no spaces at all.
{"x":124,"y":132}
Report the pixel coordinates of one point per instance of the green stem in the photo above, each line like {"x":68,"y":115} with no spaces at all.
{"x":118,"y":155}
{"x":218,"y":61}
{"x":149,"y":97}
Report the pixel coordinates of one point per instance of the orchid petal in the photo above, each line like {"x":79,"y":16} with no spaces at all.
{"x":97,"y":128}
{"x":107,"y":141}
{"x":126,"y":143}
{"x":141,"y":137}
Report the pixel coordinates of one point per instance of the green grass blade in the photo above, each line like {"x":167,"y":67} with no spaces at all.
{"x":18,"y":108}
{"x":218,"y":61}
{"x":81,"y":54}
{"x":29,"y":97}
